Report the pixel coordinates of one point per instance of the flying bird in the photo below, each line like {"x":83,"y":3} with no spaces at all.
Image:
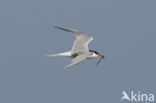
{"x":80,"y":49}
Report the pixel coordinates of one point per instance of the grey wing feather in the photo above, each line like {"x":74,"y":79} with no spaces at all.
{"x":81,"y":43}
{"x":69,"y":30}
{"x":75,"y":61}
{"x":82,"y":39}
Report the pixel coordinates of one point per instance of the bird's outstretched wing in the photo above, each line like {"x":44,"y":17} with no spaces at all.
{"x":75,"y":32}
{"x":82,"y":39}
{"x":76,"y":60}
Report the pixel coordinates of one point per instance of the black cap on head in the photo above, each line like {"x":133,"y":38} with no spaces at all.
{"x":94,"y":51}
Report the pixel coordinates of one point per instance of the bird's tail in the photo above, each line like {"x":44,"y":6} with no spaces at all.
{"x":61,"y":54}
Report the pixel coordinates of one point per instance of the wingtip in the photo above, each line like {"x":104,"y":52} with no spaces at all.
{"x":55,"y":26}
{"x":58,"y":27}
{"x":64,"y":67}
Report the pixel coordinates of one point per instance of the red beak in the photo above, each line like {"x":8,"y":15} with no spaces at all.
{"x":99,"y":55}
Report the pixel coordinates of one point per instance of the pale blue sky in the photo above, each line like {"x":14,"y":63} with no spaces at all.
{"x":123,"y":30}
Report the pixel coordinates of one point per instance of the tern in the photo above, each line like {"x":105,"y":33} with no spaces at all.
{"x":80,"y":49}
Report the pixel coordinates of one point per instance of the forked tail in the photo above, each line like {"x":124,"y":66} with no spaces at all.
{"x":61,"y":54}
